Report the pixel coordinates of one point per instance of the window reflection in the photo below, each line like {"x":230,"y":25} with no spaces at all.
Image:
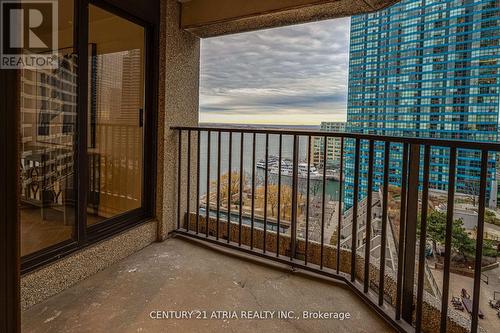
{"x":48,"y":124}
{"x":116,"y":106}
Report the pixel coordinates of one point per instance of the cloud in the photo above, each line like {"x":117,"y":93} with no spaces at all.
{"x":299,"y":71}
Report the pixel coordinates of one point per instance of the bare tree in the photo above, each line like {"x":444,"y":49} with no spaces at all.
{"x":471,"y":189}
{"x":224,"y":187}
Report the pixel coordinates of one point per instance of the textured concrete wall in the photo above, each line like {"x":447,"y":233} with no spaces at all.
{"x":182,"y":71}
{"x":160,"y":135}
{"x":54,"y":278}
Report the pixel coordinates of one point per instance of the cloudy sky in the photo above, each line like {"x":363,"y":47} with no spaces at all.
{"x":289,"y":75}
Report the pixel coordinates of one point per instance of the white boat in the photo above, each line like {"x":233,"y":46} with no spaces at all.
{"x":313,"y":172}
{"x":287,"y":170}
{"x":272,"y":161}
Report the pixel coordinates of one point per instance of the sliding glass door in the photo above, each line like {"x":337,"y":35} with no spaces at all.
{"x":48,"y":145}
{"x":87,"y":129}
{"x":116,"y":115}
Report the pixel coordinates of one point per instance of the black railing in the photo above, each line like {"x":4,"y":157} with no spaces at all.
{"x":366,"y":168}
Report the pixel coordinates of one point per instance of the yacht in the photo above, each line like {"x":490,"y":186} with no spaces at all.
{"x":313,"y":172}
{"x":287,"y":170}
{"x":272,"y":161}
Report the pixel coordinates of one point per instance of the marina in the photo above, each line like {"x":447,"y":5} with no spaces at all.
{"x":316,"y":176}
{"x":273,"y":165}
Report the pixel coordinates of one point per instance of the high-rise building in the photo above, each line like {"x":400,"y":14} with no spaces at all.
{"x":333,"y":148}
{"x":48,"y":113}
{"x":430,"y":69}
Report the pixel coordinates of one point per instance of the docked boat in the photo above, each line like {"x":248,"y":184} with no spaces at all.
{"x":313,"y":172}
{"x":272,"y":161}
{"x":287,"y":168}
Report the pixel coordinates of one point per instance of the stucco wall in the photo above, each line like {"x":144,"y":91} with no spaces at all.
{"x":62,"y":274}
{"x":180,"y":100}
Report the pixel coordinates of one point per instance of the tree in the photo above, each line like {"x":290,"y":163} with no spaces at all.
{"x":471,"y":189}
{"x":286,"y":201}
{"x":272,"y":197}
{"x":436,"y":228}
{"x":491,"y":217}
{"x":460,"y":240}
{"x":489,"y":249}
{"x":224,"y":187}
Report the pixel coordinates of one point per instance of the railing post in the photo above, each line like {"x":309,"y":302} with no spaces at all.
{"x":217,"y":200}
{"x":385,"y":195}
{"x":402,"y":233}
{"x":198,"y":181}
{"x":266,"y":183}
{"x":188,"y":182}
{"x":229,"y":185}
{"x":179,"y":181}
{"x":252,"y":217}
{"x":368,"y":225}
{"x":293,"y":244}
{"x":479,"y":241}
{"x":411,"y":233}
{"x":207,"y":196}
{"x":278,"y":218}
{"x":323,"y":204}
{"x":340,"y":213}
{"x":355,"y":197}
{"x":308,"y":197}
{"x":422,"y":265}
{"x":448,"y":238}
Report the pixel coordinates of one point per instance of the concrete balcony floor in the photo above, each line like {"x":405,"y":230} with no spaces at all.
{"x":180,"y":275}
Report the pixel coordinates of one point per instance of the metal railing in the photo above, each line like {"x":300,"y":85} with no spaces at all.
{"x":365,"y":159}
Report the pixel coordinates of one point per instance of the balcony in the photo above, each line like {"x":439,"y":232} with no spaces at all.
{"x":181,"y":275}
{"x":282,"y":208}
{"x":246,"y":219}
{"x":260,"y":226}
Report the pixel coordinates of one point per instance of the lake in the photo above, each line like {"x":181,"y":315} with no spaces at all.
{"x":332,"y":186}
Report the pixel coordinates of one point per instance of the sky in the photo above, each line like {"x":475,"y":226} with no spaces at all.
{"x":290,"y":75}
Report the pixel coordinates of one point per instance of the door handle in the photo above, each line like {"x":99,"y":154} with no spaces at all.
{"x":141,"y":117}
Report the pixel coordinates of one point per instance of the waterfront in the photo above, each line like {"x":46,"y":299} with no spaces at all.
{"x":332,"y":186}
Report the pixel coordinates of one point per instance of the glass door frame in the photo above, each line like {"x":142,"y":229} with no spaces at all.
{"x":147,"y":15}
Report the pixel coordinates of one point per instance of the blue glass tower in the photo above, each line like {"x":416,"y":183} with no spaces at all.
{"x":430,"y":69}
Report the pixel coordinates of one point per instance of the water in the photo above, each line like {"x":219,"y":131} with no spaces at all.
{"x":316,"y":186}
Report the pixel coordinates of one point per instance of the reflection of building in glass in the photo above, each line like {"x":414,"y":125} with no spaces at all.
{"x":333,"y":151}
{"x":118,"y":86}
{"x":426,"y":69}
{"x":48,"y":111}
{"x":115,"y":153}
{"x":115,"y":134}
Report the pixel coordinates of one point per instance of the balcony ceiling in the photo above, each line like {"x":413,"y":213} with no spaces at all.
{"x":207,"y":18}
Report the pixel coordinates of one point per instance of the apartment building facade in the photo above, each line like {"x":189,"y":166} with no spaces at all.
{"x":426,"y":69}
{"x":333,"y":149}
